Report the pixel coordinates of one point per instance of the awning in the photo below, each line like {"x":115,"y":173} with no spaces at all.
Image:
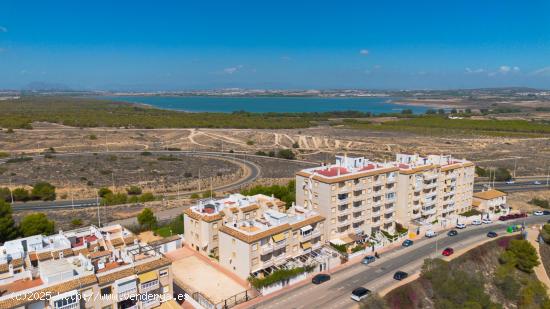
{"x":306,"y":245}
{"x":279,"y":237}
{"x":306,"y":228}
{"x":148,"y":276}
{"x":347,"y":239}
{"x":337,"y":241}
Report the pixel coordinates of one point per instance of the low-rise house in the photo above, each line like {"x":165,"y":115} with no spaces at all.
{"x":89,"y":267}
{"x":490,"y":201}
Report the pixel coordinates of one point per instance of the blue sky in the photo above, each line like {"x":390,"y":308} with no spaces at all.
{"x":169,"y":45}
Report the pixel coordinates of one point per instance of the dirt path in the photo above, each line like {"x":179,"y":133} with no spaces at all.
{"x":532,"y":235}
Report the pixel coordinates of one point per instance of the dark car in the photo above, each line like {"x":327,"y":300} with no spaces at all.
{"x":448,"y":252}
{"x":368,"y":259}
{"x":452,"y":233}
{"x":400,"y":275}
{"x":320,"y":278}
{"x":492,"y":234}
{"x":359,"y":293}
{"x":546,"y":212}
{"x":407,"y":243}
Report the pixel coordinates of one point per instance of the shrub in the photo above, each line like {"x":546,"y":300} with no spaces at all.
{"x":21,"y":194}
{"x":295,"y":145}
{"x":277,"y":276}
{"x":286,"y":154}
{"x":43,"y":191}
{"x":4,"y":154}
{"x":147,"y":219}
{"x":471,"y":213}
{"x":195,"y":196}
{"x":250,"y":143}
{"x":8,"y":230}
{"x":104,"y":191}
{"x":133,"y":190}
{"x":521,"y":254}
{"x":286,"y":193}
{"x":5,"y":194}
{"x":92,"y":137}
{"x":35,"y":224}
{"x":115,"y":199}
{"x":146,"y":197}
{"x":540,"y":202}
{"x":19,"y":160}
{"x":545,"y":233}
{"x":76,"y":222}
{"x":146,"y":153}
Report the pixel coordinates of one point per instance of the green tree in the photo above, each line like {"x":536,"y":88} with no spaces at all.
{"x":286,"y":154}
{"x":133,"y":190}
{"x":146,"y":197}
{"x":76,"y":222}
{"x":502,"y":174}
{"x":43,"y":191}
{"x":21,"y":194}
{"x":545,"y":233}
{"x":147,"y":219}
{"x":8,"y":230}
{"x":104,"y":191}
{"x":525,"y":255}
{"x":195,"y":196}
{"x":5,"y":194}
{"x":115,"y":199}
{"x":35,"y":224}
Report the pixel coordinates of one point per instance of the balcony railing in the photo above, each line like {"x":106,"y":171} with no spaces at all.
{"x":389,"y":210}
{"x":265,"y":249}
{"x":430,"y":211}
{"x":430,"y":176}
{"x":429,"y":202}
{"x":279,"y":244}
{"x":149,"y":286}
{"x":343,"y":201}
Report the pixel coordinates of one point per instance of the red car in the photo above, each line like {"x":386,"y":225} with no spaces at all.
{"x":447,"y":251}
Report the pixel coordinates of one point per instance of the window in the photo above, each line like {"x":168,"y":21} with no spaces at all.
{"x":233,"y":242}
{"x":215,"y":225}
{"x":295,"y":234}
{"x":215,"y":237}
{"x":106,"y":291}
{"x":247,"y":216}
{"x":255,"y":261}
{"x":149,"y":284}
{"x":333,"y":209}
{"x":333,"y":187}
{"x":254,"y":246}
{"x":163,"y":273}
{"x":68,"y":302}
{"x":165,"y":289}
{"x":233,"y":254}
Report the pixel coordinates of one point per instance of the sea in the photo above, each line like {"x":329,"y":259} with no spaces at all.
{"x":282,"y":104}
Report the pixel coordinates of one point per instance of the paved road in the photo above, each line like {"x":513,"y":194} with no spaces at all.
{"x":254,"y":173}
{"x":336,"y":292}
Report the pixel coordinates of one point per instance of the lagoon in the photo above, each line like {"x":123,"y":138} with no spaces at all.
{"x":280,"y":104}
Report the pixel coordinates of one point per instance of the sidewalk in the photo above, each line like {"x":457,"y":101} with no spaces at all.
{"x":532,"y":235}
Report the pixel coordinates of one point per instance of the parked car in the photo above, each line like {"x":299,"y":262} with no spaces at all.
{"x":320,"y":278}
{"x":447,"y":252}
{"x":486,"y":221}
{"x":360,"y":293}
{"x":546,"y":212}
{"x":430,"y":234}
{"x":476,"y":222}
{"x":452,"y":233}
{"x":407,"y":243}
{"x":538,"y":213}
{"x":492,"y":234}
{"x":510,"y":182}
{"x":536,"y":182}
{"x":368,"y":259}
{"x":460,"y":226}
{"x":400,"y":275}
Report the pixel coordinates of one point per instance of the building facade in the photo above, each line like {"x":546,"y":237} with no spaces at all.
{"x":360,"y":197}
{"x":86,"y":268}
{"x":490,"y":201}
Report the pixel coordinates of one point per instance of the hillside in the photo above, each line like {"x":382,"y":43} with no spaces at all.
{"x":485,"y":277}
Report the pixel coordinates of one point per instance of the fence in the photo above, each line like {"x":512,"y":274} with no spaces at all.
{"x":228,"y":302}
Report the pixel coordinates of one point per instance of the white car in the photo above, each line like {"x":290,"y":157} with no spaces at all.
{"x":536,"y":182}
{"x":476,"y":222}
{"x":538,"y":213}
{"x":430,"y":234}
{"x":461,"y":226}
{"x":486,"y":221}
{"x":510,"y":182}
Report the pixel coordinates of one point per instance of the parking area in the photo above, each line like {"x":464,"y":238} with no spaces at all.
{"x":201,"y":275}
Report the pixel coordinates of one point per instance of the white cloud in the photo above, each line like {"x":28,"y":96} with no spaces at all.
{"x":474,"y":71}
{"x":233,"y":70}
{"x":364,"y":52}
{"x":504,"y":69}
{"x":3,"y":29}
{"x":542,"y":72}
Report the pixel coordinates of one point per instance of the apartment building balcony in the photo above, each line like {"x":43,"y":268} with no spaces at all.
{"x":429,"y":202}
{"x":415,"y":216}
{"x":376,"y":223}
{"x":391,"y":180}
{"x":344,"y":211}
{"x":376,"y":193}
{"x":149,"y":286}
{"x":359,"y":197}
{"x":266,"y":249}
{"x":390,"y":200}
{"x":375,"y":213}
{"x":430,"y":185}
{"x":377,"y":203}
{"x":344,"y":189}
{"x":358,"y":204}
{"x":450,"y":193}
{"x":429,"y":211}
{"x":341,"y":223}
{"x":389,"y":210}
{"x":430,"y":176}
{"x":279,"y":245}
{"x":343,"y":201}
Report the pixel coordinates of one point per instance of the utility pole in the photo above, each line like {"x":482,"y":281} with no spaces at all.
{"x":11,"y":192}
{"x":98,"y":214}
{"x":113,"y":179}
{"x":515,"y":165}
{"x":199,"y":179}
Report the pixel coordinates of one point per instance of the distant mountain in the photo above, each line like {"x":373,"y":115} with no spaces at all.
{"x":46,"y":86}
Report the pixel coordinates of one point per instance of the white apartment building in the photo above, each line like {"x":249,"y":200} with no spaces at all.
{"x":490,"y":201}
{"x":433,"y":188}
{"x":203,"y":221}
{"x":360,"y":197}
{"x":357,"y":196}
{"x":271,"y":240}
{"x":78,"y":266}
